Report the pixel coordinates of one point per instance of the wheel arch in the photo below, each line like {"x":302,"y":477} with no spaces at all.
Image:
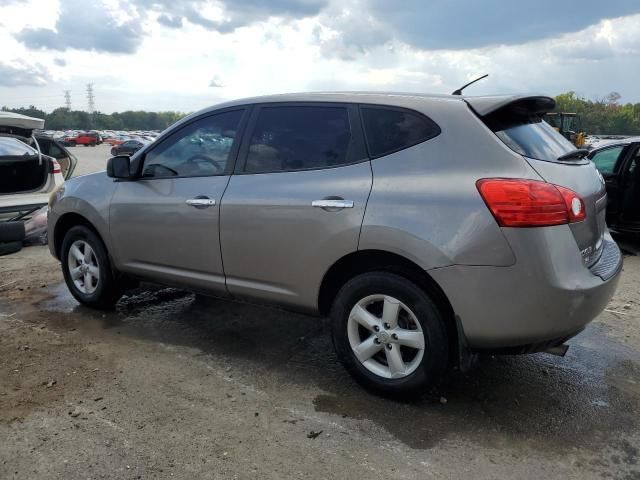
{"x":363,"y":261}
{"x":65,"y":223}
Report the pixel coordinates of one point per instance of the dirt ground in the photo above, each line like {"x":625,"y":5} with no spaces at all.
{"x":174,"y":386}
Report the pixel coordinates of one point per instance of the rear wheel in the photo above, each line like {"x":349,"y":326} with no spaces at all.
{"x":87,"y":270}
{"x":389,"y":334}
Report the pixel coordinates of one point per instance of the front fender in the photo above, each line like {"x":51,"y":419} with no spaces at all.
{"x":89,"y":197}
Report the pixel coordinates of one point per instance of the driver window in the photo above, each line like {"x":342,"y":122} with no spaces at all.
{"x":200,"y":149}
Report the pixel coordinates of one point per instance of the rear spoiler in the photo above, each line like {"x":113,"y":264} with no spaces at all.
{"x":518,"y":104}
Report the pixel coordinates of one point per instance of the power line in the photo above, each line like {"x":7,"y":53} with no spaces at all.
{"x":67,"y":99}
{"x":90,"y":98}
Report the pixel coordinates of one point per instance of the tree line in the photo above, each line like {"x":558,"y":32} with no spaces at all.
{"x":64,"y":119}
{"x":605,"y":116}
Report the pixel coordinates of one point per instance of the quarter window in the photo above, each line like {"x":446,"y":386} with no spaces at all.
{"x":606,"y":160}
{"x":389,"y":130}
{"x":202,"y":148}
{"x":299,"y":138}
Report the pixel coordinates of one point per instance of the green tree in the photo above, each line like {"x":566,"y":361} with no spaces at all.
{"x":64,"y":119}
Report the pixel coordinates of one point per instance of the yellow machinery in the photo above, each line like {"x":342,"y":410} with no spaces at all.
{"x":565,"y":123}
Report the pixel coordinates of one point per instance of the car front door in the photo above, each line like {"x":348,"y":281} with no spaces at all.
{"x":164,"y":225}
{"x":630,"y":181}
{"x":296,"y":201}
{"x":609,"y":161}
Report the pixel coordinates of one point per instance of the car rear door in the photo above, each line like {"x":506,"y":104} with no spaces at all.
{"x":296,"y":201}
{"x":67,"y":161}
{"x":164,"y":225}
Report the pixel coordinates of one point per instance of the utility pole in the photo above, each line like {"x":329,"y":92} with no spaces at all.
{"x":90,"y":98}
{"x":67,"y":99}
{"x":91,"y":105}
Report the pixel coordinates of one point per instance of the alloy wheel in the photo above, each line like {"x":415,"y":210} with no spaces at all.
{"x":385,"y":336}
{"x":83,"y":267}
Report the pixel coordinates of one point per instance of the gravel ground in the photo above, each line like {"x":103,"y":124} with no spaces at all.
{"x":171,"y":385}
{"x":90,"y":159}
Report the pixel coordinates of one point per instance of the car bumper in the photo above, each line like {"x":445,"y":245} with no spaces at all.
{"x":549,"y":294}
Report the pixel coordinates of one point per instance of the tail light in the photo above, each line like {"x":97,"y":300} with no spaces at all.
{"x":530,"y":203}
{"x":55,"y":167}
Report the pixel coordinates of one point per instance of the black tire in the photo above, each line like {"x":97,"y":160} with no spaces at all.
{"x":107,"y":292}
{"x":10,"y":247}
{"x":11,"y":232}
{"x":434,"y":363}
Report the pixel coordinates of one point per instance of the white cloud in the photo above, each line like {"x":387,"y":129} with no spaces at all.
{"x":344,"y":47}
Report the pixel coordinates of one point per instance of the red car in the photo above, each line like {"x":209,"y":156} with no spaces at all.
{"x":115,"y":141}
{"x":90,"y":139}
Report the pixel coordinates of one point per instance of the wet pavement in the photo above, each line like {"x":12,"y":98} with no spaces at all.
{"x":531,"y":416}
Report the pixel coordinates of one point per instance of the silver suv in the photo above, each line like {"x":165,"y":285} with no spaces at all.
{"x":427,"y":227}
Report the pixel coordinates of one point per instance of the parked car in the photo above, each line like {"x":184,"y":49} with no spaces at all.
{"x":27,"y":177}
{"x":90,"y":139}
{"x":129,"y":147}
{"x":619,"y":163}
{"x":117,"y":140}
{"x":426,"y":227}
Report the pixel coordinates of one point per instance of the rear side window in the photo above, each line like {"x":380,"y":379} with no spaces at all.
{"x":389,"y":130}
{"x":291,"y":138}
{"x":528,"y":135}
{"x":605,"y":160}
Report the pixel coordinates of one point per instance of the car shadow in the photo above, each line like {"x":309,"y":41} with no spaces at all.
{"x":589,"y":399}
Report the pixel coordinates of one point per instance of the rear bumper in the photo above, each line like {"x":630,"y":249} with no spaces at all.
{"x":547,"y":295}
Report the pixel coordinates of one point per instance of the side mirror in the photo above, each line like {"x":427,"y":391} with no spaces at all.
{"x":118,"y":167}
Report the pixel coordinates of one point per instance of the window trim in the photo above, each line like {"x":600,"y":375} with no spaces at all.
{"x":362,"y":106}
{"x":233,"y":153}
{"x":358,"y":141}
{"x":624,"y":153}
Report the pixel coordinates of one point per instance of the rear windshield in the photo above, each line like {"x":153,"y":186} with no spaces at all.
{"x":528,"y":135}
{"x":14,"y":147}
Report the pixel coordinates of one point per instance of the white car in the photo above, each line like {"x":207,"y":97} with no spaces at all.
{"x":27,"y":176}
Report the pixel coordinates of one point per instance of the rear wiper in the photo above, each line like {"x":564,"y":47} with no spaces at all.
{"x":574,"y":154}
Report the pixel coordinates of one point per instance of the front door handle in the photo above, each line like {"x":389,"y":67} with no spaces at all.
{"x":330,"y":203}
{"x":201,"y":202}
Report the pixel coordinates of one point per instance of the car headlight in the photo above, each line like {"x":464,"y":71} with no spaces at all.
{"x":55,"y":195}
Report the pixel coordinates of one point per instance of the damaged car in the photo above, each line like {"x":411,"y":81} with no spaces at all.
{"x":28,"y":175}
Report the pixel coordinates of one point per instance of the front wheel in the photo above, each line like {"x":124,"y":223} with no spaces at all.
{"x":87,"y":270}
{"x":389,"y":334}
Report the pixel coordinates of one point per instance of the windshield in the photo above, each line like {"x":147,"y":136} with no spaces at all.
{"x":14,"y":147}
{"x":529,"y":136}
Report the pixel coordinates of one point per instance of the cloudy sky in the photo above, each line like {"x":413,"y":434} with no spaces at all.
{"x":187,"y":54}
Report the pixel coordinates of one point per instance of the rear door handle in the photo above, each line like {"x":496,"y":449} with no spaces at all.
{"x":201,"y":202}
{"x":332,"y":203}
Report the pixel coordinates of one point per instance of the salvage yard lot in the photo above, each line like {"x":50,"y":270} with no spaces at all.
{"x":171,"y":385}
